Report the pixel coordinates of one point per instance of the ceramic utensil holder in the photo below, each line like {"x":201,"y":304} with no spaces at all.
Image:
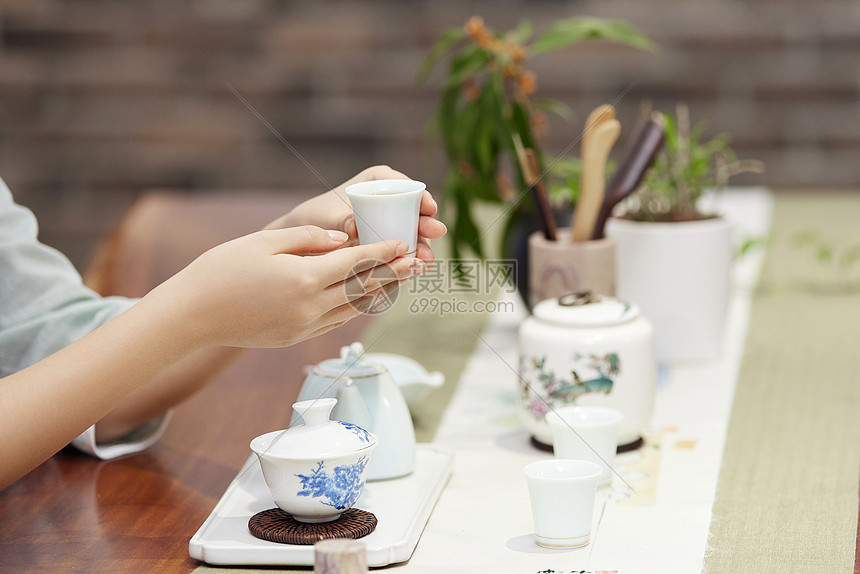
{"x":560,"y":267}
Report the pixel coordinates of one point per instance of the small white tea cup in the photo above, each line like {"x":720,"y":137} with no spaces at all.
{"x":562,"y":497}
{"x":387,"y":209}
{"x":586,"y":433}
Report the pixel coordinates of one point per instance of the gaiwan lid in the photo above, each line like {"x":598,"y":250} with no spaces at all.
{"x":585,"y":309}
{"x":351,"y":364}
{"x":319,"y":437}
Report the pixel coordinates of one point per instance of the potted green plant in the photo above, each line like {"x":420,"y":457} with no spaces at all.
{"x":487,"y":99}
{"x":673,"y":254}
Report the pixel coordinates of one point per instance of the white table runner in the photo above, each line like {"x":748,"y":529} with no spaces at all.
{"x":483,"y":523}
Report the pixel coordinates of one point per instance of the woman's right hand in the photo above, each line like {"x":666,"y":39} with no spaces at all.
{"x":277,"y":287}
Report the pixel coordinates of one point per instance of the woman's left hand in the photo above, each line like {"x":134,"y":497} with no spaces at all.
{"x":332,"y":210}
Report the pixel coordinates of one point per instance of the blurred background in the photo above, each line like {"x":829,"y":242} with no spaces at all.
{"x":101,"y":101}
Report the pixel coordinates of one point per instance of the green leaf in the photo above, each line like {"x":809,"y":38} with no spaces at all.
{"x":805,"y":238}
{"x":751,"y":243}
{"x":470,"y":61}
{"x":850,"y":256}
{"x":671,"y":132}
{"x":522,"y":33}
{"x":511,"y":219}
{"x":445,"y":42}
{"x":466,"y":233}
{"x":484,"y":148}
{"x":448,"y":120}
{"x":521,"y":124}
{"x":566,"y":32}
{"x":502,"y":128}
{"x":556,"y":107}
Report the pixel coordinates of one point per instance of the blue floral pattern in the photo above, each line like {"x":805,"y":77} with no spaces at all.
{"x":341,"y":488}
{"x":357,"y":430}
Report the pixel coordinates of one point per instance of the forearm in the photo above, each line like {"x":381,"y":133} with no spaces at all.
{"x":255,"y":291}
{"x":45,"y":406}
{"x":168,"y":389}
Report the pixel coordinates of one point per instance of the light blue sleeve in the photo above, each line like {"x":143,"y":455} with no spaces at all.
{"x":44,"y":304}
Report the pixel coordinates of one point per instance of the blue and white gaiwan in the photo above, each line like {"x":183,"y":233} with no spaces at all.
{"x":317,"y":470}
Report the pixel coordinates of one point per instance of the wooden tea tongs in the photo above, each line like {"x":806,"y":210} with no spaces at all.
{"x":531,"y":173}
{"x":601,"y":132}
{"x":637,"y":159}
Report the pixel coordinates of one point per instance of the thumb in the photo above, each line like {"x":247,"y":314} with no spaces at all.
{"x":351,"y":229}
{"x":306,"y":240}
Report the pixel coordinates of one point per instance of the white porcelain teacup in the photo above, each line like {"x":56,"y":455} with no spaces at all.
{"x":562,"y":497}
{"x":387,"y":209}
{"x":586,"y":433}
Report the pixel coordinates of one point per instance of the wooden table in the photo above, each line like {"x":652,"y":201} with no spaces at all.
{"x":136,"y":514}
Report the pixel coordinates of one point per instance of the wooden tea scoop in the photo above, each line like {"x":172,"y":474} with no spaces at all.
{"x":638,"y":158}
{"x":597,"y":116}
{"x":595,"y":151}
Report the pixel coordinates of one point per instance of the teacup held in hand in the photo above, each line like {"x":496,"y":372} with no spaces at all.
{"x":387,"y":209}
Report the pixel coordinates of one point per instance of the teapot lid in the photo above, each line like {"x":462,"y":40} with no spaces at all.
{"x":585,"y":309}
{"x":319,"y":437}
{"x":351,"y":364}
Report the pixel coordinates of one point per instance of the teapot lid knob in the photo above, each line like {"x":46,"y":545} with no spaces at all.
{"x":352,"y":353}
{"x":352,"y":363}
{"x":585,"y":309}
{"x":579,"y":298}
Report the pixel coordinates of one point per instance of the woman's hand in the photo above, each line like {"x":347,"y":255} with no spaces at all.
{"x":277,"y":287}
{"x":332,"y":210}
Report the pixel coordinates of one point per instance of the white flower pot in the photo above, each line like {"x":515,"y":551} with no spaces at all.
{"x":678,"y":274}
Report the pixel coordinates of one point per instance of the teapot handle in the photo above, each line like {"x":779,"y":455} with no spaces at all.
{"x":351,"y":407}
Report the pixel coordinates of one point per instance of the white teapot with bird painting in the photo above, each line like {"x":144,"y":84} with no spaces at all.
{"x":368,"y":397}
{"x":586,"y":349}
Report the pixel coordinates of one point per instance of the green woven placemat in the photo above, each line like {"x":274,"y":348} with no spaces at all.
{"x":786,"y":499}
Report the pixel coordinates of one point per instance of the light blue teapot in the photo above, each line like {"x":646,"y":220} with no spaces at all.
{"x":367,"y":396}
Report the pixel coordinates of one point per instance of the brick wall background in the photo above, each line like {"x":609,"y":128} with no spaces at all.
{"x":102,"y":100}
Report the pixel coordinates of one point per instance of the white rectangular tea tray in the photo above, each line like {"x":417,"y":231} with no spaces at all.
{"x":402,"y":506}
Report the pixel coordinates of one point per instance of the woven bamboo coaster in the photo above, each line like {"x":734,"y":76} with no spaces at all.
{"x":275,"y":525}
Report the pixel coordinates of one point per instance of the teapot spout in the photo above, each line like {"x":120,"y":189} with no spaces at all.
{"x":351,"y":407}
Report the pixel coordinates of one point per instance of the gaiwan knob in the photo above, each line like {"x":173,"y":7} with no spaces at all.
{"x":315,"y":412}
